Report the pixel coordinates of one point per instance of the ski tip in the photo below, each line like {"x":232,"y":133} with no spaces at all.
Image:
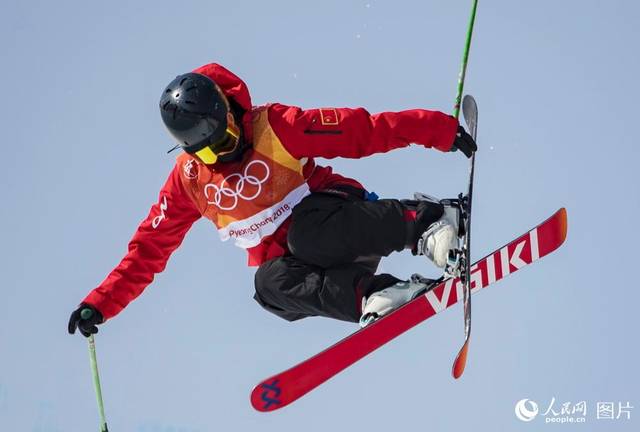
{"x":266,"y":396}
{"x":468,"y":99}
{"x":469,"y":106}
{"x":460,"y":361}
{"x":562,"y":214}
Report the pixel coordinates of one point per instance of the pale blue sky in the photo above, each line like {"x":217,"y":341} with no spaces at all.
{"x":85,"y":157}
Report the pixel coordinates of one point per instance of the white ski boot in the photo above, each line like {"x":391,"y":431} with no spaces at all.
{"x":441,"y":241}
{"x":380,"y":303}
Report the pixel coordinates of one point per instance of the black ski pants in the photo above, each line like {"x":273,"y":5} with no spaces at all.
{"x":336,"y":242}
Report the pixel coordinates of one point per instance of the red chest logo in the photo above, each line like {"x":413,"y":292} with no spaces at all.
{"x":190,"y":169}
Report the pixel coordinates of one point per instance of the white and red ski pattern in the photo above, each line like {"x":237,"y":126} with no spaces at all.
{"x":286,"y":387}
{"x":490,"y":269}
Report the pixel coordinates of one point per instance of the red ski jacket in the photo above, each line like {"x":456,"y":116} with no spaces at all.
{"x":301,"y":135}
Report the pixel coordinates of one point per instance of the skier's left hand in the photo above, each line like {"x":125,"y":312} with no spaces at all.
{"x":85,"y":318}
{"x":464,"y":142}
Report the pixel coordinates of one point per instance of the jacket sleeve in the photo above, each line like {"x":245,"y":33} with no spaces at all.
{"x":155,"y":239}
{"x":354,"y":133}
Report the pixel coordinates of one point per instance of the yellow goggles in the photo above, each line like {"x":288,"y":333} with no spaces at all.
{"x":208,"y":156}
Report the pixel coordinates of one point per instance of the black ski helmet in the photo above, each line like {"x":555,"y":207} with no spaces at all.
{"x":194,"y":110}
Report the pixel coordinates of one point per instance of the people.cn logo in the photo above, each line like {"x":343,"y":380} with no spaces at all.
{"x":238,"y":186}
{"x":526,"y":410}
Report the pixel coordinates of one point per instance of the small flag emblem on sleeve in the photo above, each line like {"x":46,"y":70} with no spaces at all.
{"x":328,"y":117}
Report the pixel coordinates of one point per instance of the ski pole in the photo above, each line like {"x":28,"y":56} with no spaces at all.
{"x":86,"y":314}
{"x":465,"y":58}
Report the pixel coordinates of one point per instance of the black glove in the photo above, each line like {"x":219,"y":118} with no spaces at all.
{"x":464,"y":142}
{"x":85,"y":318}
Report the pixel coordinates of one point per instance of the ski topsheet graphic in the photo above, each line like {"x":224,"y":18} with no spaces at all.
{"x":284,"y":388}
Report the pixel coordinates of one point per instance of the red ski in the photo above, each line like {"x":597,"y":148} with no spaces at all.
{"x":286,"y":387}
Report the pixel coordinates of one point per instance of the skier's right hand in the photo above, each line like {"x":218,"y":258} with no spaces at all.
{"x":85,"y":318}
{"x":464,"y":142}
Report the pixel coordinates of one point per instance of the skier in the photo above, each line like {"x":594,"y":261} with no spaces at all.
{"x":316,"y":236}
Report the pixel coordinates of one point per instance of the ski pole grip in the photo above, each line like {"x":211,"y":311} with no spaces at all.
{"x":86,"y":313}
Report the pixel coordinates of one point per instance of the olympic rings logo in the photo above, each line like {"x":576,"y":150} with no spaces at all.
{"x":225,"y":190}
